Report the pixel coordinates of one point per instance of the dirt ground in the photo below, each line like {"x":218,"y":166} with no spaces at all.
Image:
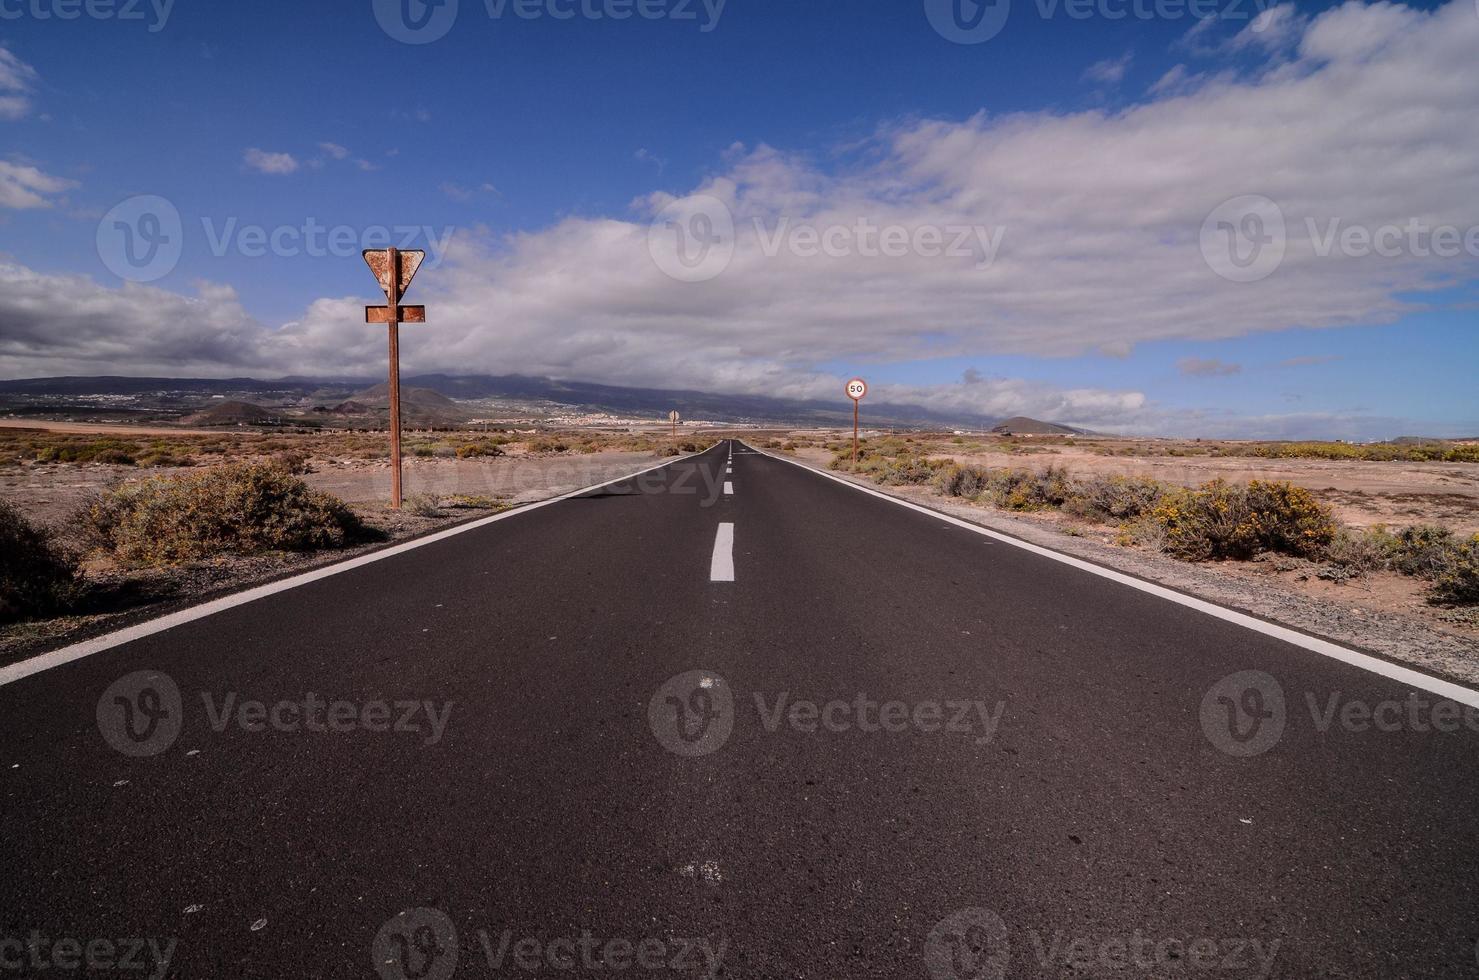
{"x":513,"y":479}
{"x":96,"y":427}
{"x":49,"y":493}
{"x":1361,"y":492}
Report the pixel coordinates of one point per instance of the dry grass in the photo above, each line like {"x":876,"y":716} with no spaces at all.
{"x":239,"y":508}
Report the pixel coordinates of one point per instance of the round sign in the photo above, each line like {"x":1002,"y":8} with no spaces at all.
{"x":856,"y":389}
{"x":673,"y":416}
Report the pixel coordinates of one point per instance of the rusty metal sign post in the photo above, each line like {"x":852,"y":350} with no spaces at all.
{"x":857,"y":390}
{"x":395,"y":269}
{"x":674,"y":417}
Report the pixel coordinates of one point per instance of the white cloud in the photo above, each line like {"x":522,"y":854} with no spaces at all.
{"x":1355,"y":32}
{"x":17,"y":80}
{"x":270,"y":163}
{"x":1277,"y":27}
{"x":25,"y":188}
{"x":645,"y":155}
{"x":1369,"y":117}
{"x":1110,"y":71}
{"x":334,"y":151}
{"x":458,"y":192}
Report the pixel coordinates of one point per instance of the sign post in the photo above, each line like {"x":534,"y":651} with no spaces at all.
{"x":395,"y":269}
{"x":674,"y":417}
{"x":857,"y":389}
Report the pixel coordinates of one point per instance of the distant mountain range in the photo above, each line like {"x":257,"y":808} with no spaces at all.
{"x":1021,"y":425}
{"x":552,"y":395}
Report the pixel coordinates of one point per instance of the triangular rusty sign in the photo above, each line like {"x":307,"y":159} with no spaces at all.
{"x":378,"y":259}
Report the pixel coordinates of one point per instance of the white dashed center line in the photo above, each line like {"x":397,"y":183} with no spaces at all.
{"x":728,"y":489}
{"x":721,"y":567}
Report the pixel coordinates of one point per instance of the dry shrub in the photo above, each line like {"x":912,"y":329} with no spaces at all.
{"x":240,"y":508}
{"x":475,"y":450}
{"x":424,"y":505}
{"x":962,"y":481}
{"x":1114,"y":499}
{"x":1457,"y":581}
{"x":1360,"y":551}
{"x":889,"y":465}
{"x":291,"y":461}
{"x":37,"y":577}
{"x":464,"y":501}
{"x":1422,"y":550}
{"x":1221,"y":521}
{"x":1030,"y":490}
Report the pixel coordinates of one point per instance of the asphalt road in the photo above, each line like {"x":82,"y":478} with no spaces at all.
{"x":885,"y":747}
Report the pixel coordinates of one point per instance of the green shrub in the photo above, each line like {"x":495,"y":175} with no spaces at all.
{"x":241,"y":508}
{"x":37,"y":577}
{"x":1221,"y":521}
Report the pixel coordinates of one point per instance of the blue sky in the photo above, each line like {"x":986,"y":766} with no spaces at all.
{"x":525,"y":135}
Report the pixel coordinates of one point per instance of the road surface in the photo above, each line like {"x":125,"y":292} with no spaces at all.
{"x":731,"y":718}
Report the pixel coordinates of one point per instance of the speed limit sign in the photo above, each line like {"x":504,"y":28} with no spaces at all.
{"x":856,"y":389}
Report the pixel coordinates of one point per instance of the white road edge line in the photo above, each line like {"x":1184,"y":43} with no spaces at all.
{"x":721,"y":566}
{"x":1402,"y":675}
{"x":86,"y":648}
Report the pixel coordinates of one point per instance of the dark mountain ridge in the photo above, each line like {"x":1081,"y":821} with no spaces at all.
{"x":582,"y":396}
